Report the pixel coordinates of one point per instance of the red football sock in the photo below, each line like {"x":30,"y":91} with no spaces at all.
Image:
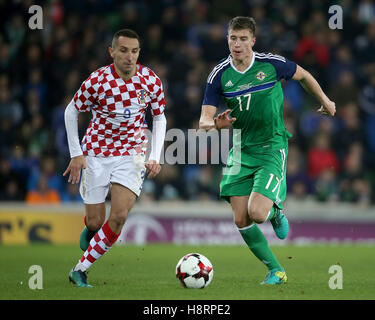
{"x":99,"y":245}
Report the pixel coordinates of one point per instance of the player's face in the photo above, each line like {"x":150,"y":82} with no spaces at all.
{"x":125,"y":54}
{"x":240,"y":43}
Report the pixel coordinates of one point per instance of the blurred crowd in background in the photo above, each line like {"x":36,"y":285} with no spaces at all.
{"x":330,"y":158}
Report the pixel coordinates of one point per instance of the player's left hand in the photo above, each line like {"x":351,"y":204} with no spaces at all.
{"x":328,"y":108}
{"x":153,"y":168}
{"x":223,"y":121}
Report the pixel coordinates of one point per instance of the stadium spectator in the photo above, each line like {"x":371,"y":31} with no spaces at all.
{"x":326,"y":186}
{"x":33,"y":106}
{"x":71,"y":194}
{"x":35,"y":82}
{"x":7,"y":136}
{"x":354,"y":181}
{"x":321,"y":156}
{"x":33,"y":60}
{"x":21,"y":163}
{"x":12,"y":192}
{"x":345,"y":88}
{"x":367,"y":97}
{"x":39,"y":136}
{"x":351,"y":130}
{"x":168,"y":185}
{"x":10,"y":108}
{"x":364,"y":46}
{"x":342,"y":60}
{"x":11,"y":187}
{"x":42,"y":194}
{"x":298,"y":182}
{"x":47,"y":170}
{"x":5,"y":58}
{"x":203,"y":182}
{"x":312,"y":49}
{"x":366,"y":11}
{"x":214,"y":44}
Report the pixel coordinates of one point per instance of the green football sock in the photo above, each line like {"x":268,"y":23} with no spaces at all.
{"x":258,"y":245}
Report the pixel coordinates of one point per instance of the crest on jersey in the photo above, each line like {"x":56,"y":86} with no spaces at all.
{"x":260,"y":75}
{"x":141,"y":95}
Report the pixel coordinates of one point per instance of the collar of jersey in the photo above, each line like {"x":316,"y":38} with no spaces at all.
{"x":247,"y":69}
{"x":116,"y":75}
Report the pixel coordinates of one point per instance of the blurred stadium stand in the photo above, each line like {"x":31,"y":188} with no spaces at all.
{"x":330,"y":162}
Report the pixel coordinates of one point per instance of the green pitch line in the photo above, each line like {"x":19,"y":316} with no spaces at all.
{"x":148,"y":272}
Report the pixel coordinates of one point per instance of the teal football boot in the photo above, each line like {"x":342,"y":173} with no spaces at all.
{"x":280,"y":224}
{"x":79,"y":278}
{"x":84,"y":239}
{"x":275,"y":276}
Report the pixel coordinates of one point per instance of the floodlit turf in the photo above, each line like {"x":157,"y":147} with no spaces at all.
{"x":148,"y":272}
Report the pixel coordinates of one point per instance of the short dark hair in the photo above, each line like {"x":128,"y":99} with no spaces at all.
{"x":240,"y":23}
{"x":128,"y":33}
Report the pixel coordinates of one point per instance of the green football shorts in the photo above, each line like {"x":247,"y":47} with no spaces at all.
{"x":263,"y":173}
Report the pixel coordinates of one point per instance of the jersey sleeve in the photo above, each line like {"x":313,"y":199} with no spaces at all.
{"x":285,"y":68}
{"x":212,"y":93}
{"x":157,"y":102}
{"x":86,"y":95}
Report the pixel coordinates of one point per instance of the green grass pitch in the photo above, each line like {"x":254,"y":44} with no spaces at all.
{"x":148,"y":273}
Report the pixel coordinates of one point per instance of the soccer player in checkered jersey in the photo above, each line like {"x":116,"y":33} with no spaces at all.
{"x":112,"y":153}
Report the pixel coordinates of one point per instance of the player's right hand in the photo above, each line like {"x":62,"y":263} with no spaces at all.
{"x":223,"y":121}
{"x":328,"y":108}
{"x":75,"y":166}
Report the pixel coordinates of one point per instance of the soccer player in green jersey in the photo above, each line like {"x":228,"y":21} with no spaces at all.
{"x":254,"y":183}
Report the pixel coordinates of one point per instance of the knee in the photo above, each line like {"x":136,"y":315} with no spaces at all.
{"x":94,"y":223}
{"x":119,"y":217}
{"x":242,"y":222}
{"x":257,"y":215}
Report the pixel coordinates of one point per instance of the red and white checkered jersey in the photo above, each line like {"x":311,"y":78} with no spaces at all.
{"x":118,"y":109}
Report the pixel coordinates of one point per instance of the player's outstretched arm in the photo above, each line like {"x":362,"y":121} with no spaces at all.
{"x":309,"y":83}
{"x":208,"y":120}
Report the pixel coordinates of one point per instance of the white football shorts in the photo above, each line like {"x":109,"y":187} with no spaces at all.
{"x":102,"y":172}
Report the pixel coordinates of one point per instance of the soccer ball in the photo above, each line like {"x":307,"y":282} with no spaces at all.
{"x":194,"y":271}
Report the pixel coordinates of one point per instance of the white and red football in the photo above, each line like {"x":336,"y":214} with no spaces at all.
{"x":194,"y":271}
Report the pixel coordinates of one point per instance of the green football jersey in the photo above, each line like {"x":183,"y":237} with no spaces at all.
{"x":255,"y":98}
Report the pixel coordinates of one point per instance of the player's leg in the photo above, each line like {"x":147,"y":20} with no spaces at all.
{"x":94,"y":219}
{"x":236,"y":188}
{"x":269,"y":192}
{"x":259,"y":207}
{"x":251,"y":234}
{"x":94,"y":187}
{"x":126,"y":177}
{"x":240,"y":212}
{"x":264,"y":201}
{"x":122,"y":200}
{"x":95,"y":216}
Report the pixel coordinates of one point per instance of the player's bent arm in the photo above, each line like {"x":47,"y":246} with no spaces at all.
{"x":206,"y":120}
{"x":78,"y":161}
{"x":159,"y":125}
{"x":309,"y":83}
{"x":71,"y":125}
